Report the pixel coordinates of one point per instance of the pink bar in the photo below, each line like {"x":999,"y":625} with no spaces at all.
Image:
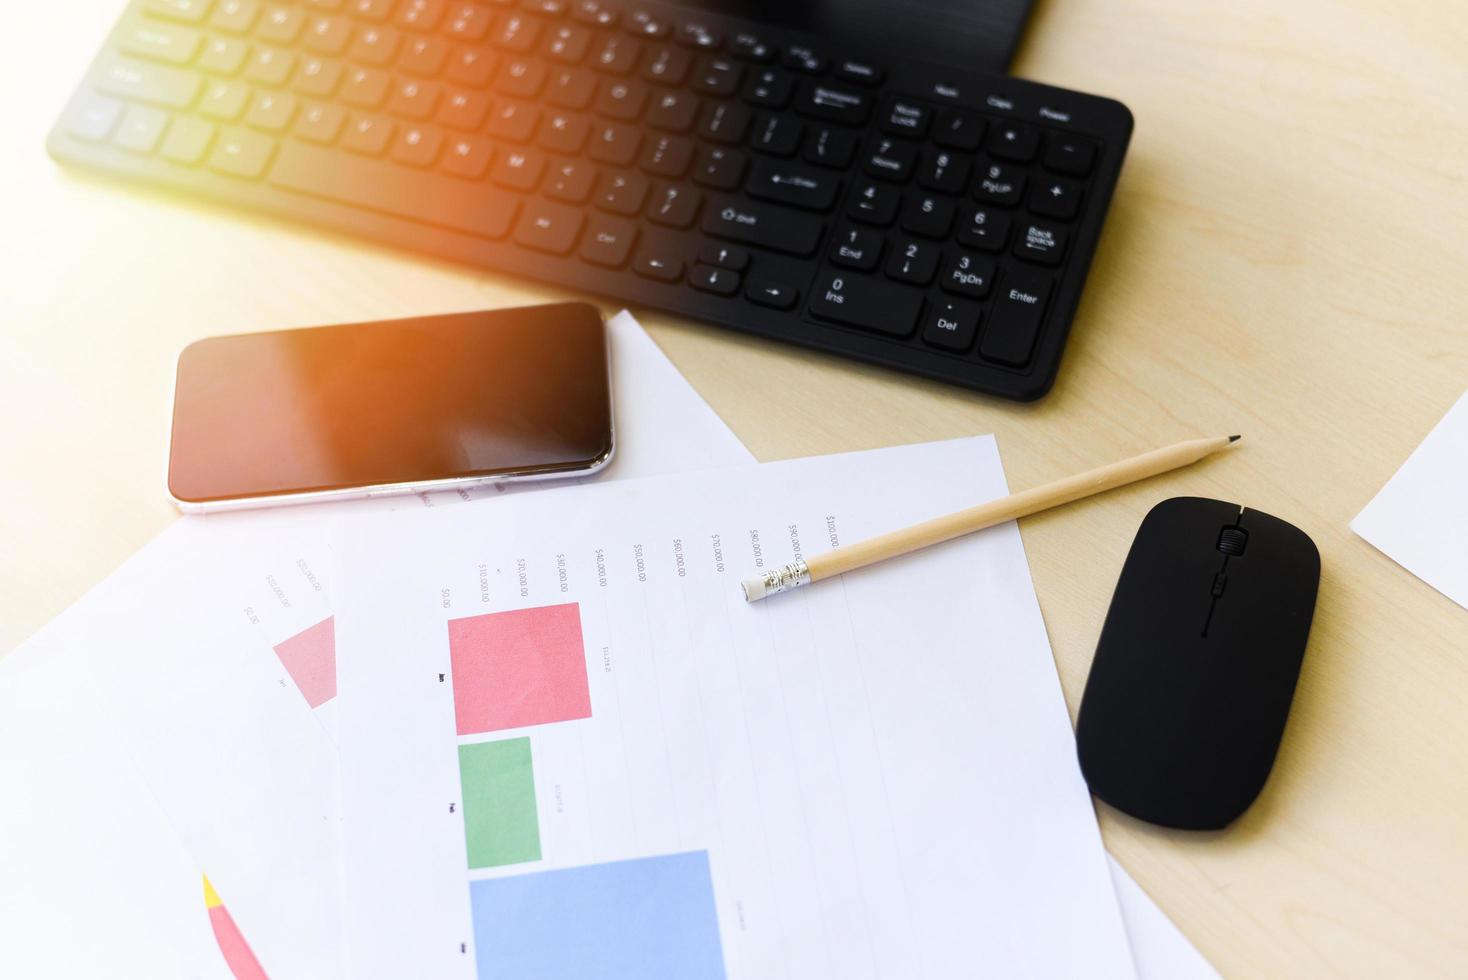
{"x":519,"y":667}
{"x":310,"y":658}
{"x":237,"y":953}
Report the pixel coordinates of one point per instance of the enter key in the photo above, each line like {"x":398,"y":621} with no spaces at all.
{"x":1014,"y":324}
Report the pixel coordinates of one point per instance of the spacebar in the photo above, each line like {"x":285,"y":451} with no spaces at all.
{"x":416,"y":195}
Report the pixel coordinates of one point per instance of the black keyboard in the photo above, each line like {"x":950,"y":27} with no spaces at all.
{"x":902,"y":213}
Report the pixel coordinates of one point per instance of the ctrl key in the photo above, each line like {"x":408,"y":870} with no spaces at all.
{"x":1014,"y":324}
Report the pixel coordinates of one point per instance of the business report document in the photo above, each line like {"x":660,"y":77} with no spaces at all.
{"x":569,"y":748}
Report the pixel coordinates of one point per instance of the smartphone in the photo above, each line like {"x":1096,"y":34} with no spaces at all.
{"x":397,"y":406}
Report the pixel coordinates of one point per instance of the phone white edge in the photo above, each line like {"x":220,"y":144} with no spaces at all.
{"x":384,"y":489}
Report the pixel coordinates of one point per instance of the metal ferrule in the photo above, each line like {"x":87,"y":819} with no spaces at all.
{"x":787,"y":577}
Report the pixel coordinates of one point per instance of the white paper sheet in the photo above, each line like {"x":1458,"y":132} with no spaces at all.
{"x":1160,"y":950}
{"x":563,"y":706}
{"x":182,"y":635}
{"x":1420,"y":518}
{"x":253,"y":578}
{"x":94,"y":882}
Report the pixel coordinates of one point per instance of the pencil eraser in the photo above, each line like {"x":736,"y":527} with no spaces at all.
{"x":754,"y":588}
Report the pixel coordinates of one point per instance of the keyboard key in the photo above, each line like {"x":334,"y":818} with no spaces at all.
{"x":420,"y":15}
{"x":562,"y":132}
{"x":381,"y":186}
{"x":667,"y":156}
{"x":1068,"y":154}
{"x":944,"y":171}
{"x":968,"y":275}
{"x":224,"y":55}
{"x":959,"y":130}
{"x":785,"y":182}
{"x":1056,"y":198}
{"x":595,"y":12}
{"x":703,"y":37}
{"x":725,"y":122}
{"x":906,"y":118}
{"x":802,"y":58}
{"x":569,"y":181}
{"x":141,"y":128}
{"x":375,"y":46}
{"x":929,"y":215}
{"x":514,"y":121}
{"x":617,"y":55}
{"x":711,"y":279}
{"x":619,"y":99}
{"x":673,"y":206}
{"x":724,"y":256}
{"x":874,"y":204}
{"x":417,"y":146}
{"x":376,"y":11}
{"x":144,"y":82}
{"x":1011,"y":141}
{"x":519,"y":170}
{"x":570,"y":88}
{"x":860,"y":301}
{"x":161,"y":42}
{"x":187,"y":141}
{"x":280,"y":25}
{"x":860,"y":72}
{"x":514,"y":32}
{"x":777,"y":135}
{"x":235,"y":16}
{"x":914,"y":262}
{"x":328,"y":35}
{"x":833,"y":104}
{"x":94,"y":118}
{"x":467,"y":109}
{"x":427,"y":55}
{"x":667,"y":66}
{"x":241,"y":153}
{"x":1000,"y":183}
{"x":751,"y":47}
{"x":413,"y":98}
{"x":366,"y":88}
{"x":1014,"y":323}
{"x":827,"y":146}
{"x":718,"y":77}
{"x":1040,"y":243}
{"x":271,"y":111}
{"x":320,"y":122}
{"x":769,"y":88}
{"x":645,"y":23}
{"x":891,"y":159}
{"x":661,"y":265}
{"x":318,"y":77}
{"x":367,"y":135}
{"x":184,"y":11}
{"x":766,"y":226}
{"x":857,"y":248}
{"x":951,"y":325}
{"x":567,"y":44}
{"x":520,"y":78}
{"x":984,"y":228}
{"x":673,"y":112}
{"x":468,"y":157}
{"x":224,"y":101}
{"x":467,"y":21}
{"x":622,"y":193}
{"x":608,"y":241}
{"x":772,"y":294}
{"x":614,"y":144}
{"x":719,"y":168}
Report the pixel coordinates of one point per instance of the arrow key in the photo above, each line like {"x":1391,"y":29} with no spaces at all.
{"x":1056,"y":198}
{"x":774,"y":294}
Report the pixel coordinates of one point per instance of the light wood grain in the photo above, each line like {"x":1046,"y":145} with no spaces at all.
{"x":1285,"y":257}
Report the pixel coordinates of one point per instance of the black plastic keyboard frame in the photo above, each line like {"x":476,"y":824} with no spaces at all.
{"x":1106,"y":121}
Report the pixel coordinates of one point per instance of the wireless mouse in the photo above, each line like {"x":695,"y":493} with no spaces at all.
{"x":1197,"y":662}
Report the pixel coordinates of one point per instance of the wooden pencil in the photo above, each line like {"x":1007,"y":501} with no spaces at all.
{"x":859,"y":554}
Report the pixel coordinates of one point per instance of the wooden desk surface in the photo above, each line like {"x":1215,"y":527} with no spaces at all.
{"x":1285,"y":257}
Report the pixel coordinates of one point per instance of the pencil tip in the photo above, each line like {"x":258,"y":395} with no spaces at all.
{"x":1234,"y":438}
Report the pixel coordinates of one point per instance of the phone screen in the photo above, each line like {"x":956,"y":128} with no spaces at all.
{"x":521,"y":392}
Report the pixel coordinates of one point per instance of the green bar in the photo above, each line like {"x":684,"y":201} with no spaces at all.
{"x":500,"y":821}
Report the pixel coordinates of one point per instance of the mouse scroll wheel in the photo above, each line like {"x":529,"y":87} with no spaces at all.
{"x":1232,"y":540}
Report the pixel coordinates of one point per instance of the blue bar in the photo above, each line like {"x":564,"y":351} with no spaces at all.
{"x":643,"y":918}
